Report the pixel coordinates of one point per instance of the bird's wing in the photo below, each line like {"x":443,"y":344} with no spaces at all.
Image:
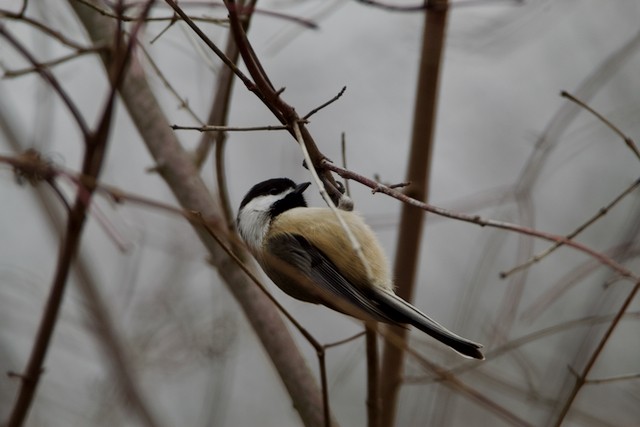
{"x":324,"y":283}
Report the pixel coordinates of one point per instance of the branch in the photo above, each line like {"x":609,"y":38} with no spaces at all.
{"x":177,"y":168}
{"x":216,"y":128}
{"x":95,"y":145}
{"x":418,"y":172}
{"x":478,"y":220}
{"x":601,"y":212}
{"x":49,"y":78}
{"x":329,"y":102}
{"x":627,"y":139}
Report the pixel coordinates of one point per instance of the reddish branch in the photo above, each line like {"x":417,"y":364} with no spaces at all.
{"x":95,"y":145}
{"x":418,"y":172}
{"x":478,"y":220}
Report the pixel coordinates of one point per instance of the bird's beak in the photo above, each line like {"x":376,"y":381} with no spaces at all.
{"x":301,"y":187}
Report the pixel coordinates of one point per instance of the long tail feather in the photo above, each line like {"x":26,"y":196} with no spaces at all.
{"x":403,"y":312}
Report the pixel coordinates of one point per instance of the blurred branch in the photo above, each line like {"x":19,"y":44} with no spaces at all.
{"x":613,"y":379}
{"x":373,"y":376}
{"x":574,"y":277}
{"x":601,"y":212}
{"x":49,"y":78}
{"x":513,"y":344}
{"x":183,"y":102}
{"x":581,"y":379}
{"x":42,"y":27}
{"x":179,"y":172}
{"x":51,"y":63}
{"x":418,"y":171}
{"x":435,"y":5}
{"x":454,"y":383}
{"x":126,"y":18}
{"x":95,"y":147}
{"x":532,"y":171}
{"x":219,"y":116}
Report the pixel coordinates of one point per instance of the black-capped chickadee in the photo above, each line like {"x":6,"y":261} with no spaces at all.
{"x":306,"y":253}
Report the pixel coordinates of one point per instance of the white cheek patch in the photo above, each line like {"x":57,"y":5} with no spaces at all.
{"x":254,"y":220}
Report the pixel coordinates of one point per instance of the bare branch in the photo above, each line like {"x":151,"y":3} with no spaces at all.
{"x":50,"y":78}
{"x":212,"y":128}
{"x":627,"y":139}
{"x":478,"y":220}
{"x":329,"y":102}
{"x":43,"y":28}
{"x":601,"y":212}
{"x":50,"y":64}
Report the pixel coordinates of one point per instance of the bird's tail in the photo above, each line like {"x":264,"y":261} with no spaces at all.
{"x":401,"y":311}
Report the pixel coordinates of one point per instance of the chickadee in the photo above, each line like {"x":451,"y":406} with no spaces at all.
{"x":306,"y":253}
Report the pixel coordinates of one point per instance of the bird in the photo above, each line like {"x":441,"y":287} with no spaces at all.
{"x":306,"y":252}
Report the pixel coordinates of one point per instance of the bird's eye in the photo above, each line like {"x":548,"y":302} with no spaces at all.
{"x":274,"y":191}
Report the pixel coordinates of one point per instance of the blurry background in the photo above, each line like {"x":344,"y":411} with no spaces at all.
{"x":508,"y":147}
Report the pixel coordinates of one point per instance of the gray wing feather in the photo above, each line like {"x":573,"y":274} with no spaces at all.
{"x":325,"y":284}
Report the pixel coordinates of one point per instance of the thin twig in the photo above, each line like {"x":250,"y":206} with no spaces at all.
{"x":50,"y":78}
{"x":217,"y":128}
{"x":627,"y":139}
{"x":601,"y":212}
{"x":613,"y":379}
{"x":582,"y":377}
{"x":344,"y":341}
{"x":391,"y":7}
{"x":329,"y":102}
{"x":515,"y":343}
{"x":261,"y":86}
{"x":126,"y":18}
{"x":183,"y":102}
{"x":51,"y":63}
{"x":478,"y":220}
{"x":247,"y":82}
{"x":43,"y":28}
{"x":95,"y":146}
{"x":453,"y":382}
{"x":373,"y":383}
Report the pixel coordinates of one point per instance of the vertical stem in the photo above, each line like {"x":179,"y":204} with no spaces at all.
{"x":31,"y":375}
{"x":411,"y":223}
{"x":373,"y":379}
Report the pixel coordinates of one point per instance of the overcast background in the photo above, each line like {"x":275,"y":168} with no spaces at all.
{"x":504,"y":67}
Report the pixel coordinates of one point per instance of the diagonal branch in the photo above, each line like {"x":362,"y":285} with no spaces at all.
{"x":181,"y":175}
{"x":95,"y":145}
{"x":478,"y":220}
